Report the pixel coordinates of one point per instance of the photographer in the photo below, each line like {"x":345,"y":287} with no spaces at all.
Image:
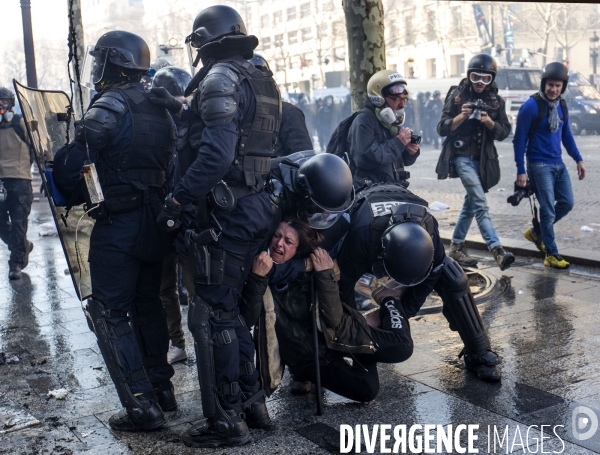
{"x":472,"y":119}
{"x":542,"y":126}
{"x":379,"y":147}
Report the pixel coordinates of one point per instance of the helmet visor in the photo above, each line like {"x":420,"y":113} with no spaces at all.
{"x":483,"y":78}
{"x":401,"y":280}
{"x":323,"y":220}
{"x":97,"y":57}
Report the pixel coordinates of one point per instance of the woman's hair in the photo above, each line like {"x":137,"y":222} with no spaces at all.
{"x":308,"y":238}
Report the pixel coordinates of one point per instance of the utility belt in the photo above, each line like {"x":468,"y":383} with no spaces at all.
{"x":211,"y":264}
{"x":119,"y":199}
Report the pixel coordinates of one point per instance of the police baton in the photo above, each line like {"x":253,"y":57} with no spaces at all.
{"x":313,"y":312}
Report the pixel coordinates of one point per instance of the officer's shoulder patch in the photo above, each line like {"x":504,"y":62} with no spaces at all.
{"x":384,"y":208}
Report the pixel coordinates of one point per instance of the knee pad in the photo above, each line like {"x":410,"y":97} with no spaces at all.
{"x":107,"y":335}
{"x":459,"y":307}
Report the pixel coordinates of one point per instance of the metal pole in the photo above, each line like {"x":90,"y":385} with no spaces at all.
{"x":313,"y":312}
{"x":28,"y":44}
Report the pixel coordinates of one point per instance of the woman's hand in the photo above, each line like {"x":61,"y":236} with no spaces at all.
{"x":262,"y":264}
{"x":321,"y":260}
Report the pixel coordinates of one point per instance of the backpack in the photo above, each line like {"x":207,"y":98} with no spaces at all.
{"x":16,"y":125}
{"x":338,"y":144}
{"x":542,"y":110}
{"x":450,"y":91}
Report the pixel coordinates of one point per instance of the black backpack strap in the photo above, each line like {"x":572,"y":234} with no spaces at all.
{"x":16,"y":124}
{"x":563,"y":105}
{"x":542,"y":109}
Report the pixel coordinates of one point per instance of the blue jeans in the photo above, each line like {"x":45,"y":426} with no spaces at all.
{"x":552,"y":187}
{"x":475,"y":204}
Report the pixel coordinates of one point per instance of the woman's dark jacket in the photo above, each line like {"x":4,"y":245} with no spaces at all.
{"x":377,"y":154}
{"x":489,"y":165}
{"x":343,"y":329}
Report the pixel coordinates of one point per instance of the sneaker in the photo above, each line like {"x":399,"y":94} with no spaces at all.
{"x":15,"y":273}
{"x":502,"y":257}
{"x":175,"y":354}
{"x":530,"y":235}
{"x":27,"y":251}
{"x":556,"y":261}
{"x":458,"y":252}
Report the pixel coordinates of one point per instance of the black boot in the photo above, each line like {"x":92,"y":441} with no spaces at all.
{"x":484,"y":365}
{"x":255,"y":408}
{"x":165,"y":393}
{"x":226,"y":429}
{"x":147,"y":416}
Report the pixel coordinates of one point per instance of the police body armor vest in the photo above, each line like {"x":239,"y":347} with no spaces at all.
{"x":145,"y":161}
{"x":382,"y":198}
{"x":256,"y":139}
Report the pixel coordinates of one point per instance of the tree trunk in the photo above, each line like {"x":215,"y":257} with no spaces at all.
{"x":366,"y":45}
{"x":78,"y":25}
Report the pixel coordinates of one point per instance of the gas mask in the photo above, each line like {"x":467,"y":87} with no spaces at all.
{"x":391,"y":116}
{"x":6,"y":115}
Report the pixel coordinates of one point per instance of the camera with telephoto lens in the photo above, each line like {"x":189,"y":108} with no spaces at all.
{"x":478,"y":107}
{"x":520,"y":192}
{"x":414,"y":138}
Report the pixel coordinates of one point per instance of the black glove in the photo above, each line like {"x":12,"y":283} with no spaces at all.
{"x":159,"y":96}
{"x":168,"y":218}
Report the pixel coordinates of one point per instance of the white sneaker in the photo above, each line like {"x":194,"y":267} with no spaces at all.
{"x":175,"y":354}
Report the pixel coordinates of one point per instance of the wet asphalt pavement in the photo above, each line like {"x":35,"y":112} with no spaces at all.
{"x":543,"y":323}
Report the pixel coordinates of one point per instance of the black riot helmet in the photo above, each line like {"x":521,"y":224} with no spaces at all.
{"x":259,"y":60}
{"x":117,"y":53}
{"x":555,"y":70}
{"x":219,"y":32}
{"x":407,"y":254}
{"x":159,"y":63}
{"x":325,"y":181}
{"x":482,"y":63}
{"x":175,"y":80}
{"x":6,"y":94}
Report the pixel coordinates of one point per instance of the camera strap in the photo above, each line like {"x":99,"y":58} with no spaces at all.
{"x":535,"y":220}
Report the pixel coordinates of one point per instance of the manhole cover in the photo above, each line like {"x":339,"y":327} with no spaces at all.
{"x":484,"y":286}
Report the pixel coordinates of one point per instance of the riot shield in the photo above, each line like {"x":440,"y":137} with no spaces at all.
{"x":46,"y":113}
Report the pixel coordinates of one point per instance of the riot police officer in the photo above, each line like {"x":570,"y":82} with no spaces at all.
{"x":315,"y":188}
{"x":234,"y":121}
{"x":131,"y":140}
{"x":175,"y":81}
{"x":392,"y":234}
{"x":293,"y":134}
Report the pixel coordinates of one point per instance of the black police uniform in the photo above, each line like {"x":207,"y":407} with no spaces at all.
{"x":361,"y":250}
{"x":293,"y":135}
{"x":233,"y":132}
{"x":132,"y":140}
{"x":362,"y":244}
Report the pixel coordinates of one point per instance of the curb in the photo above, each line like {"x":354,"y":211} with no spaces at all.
{"x":523,"y":247}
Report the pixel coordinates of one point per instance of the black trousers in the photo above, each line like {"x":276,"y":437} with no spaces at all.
{"x":245,"y":229}
{"x":14,"y":212}
{"x":122,"y":282}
